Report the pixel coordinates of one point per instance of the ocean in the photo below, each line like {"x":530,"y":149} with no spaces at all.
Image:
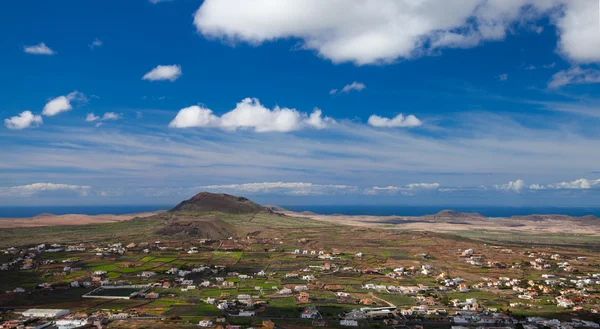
{"x":21,"y":212}
{"x":384,"y":210}
{"x":488,"y":211}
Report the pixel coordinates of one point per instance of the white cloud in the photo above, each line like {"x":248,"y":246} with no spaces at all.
{"x":549,"y":66}
{"x":91,"y":117}
{"x":293,"y":188}
{"x":24,"y":120}
{"x":250,"y":114}
{"x":96,"y":43}
{"x":516,"y":186}
{"x":579,"y":184}
{"x":194,"y":116}
{"x":39,"y":49}
{"x":163,"y":72}
{"x":382,"y":31}
{"x":574,"y":76}
{"x":579,"y":31}
{"x":44,"y":188}
{"x":111,"y":116}
{"x":529,"y":68}
{"x":62,"y":103}
{"x":358,"y":86}
{"x":407,"y":190}
{"x":317,"y":121}
{"x":397,"y":121}
{"x":503,"y":77}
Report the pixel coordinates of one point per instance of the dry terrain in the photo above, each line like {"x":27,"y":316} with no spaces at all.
{"x":70,"y":219}
{"x":451,"y":222}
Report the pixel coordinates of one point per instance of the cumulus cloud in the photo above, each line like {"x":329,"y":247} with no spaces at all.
{"x":579,"y":39}
{"x":163,"y":72}
{"x":96,"y":43}
{"x":407,"y":190}
{"x":398,"y":121}
{"x":574,"y":76}
{"x":504,"y":76}
{"x":24,"y":120}
{"x":251,"y":114}
{"x":357,"y":86}
{"x":293,"y":188}
{"x":516,"y":186}
{"x":39,"y":49}
{"x":45,"y":189}
{"x":579,"y":184}
{"x":91,"y":117}
{"x":62,"y":103}
{"x":382,"y":31}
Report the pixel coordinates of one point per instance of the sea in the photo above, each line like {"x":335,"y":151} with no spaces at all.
{"x":22,"y":212}
{"x":488,"y":211}
{"x":374,"y":210}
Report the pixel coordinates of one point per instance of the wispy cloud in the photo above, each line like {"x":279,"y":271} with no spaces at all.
{"x":406,"y":190}
{"x":577,"y":184}
{"x":354,"y":86}
{"x":503,"y":77}
{"x":292,"y":188}
{"x":96,"y":44}
{"x":574,"y":76}
{"x":42,"y":188}
{"x":91,"y":117}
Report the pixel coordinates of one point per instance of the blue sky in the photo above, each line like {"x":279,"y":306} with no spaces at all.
{"x":483,"y":102}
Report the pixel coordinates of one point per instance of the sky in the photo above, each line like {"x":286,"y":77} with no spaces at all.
{"x":398,"y":102}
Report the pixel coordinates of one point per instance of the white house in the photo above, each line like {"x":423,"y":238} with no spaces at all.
{"x":205,"y":323}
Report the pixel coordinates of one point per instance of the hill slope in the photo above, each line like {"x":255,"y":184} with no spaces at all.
{"x":225,"y":203}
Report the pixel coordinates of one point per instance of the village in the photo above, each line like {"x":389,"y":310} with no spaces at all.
{"x":253,"y":282}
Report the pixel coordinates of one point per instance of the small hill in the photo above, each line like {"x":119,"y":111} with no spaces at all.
{"x":220,"y":202}
{"x":451,"y":214}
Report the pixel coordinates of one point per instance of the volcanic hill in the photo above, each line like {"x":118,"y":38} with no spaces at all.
{"x":223,"y":203}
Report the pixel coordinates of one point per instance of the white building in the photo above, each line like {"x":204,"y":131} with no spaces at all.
{"x":70,"y":323}
{"x":349,"y":323}
{"x":45,"y":313}
{"x":205,"y":323}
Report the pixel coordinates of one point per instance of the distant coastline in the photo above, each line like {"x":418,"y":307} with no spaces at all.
{"x":487,"y":211}
{"x":372,"y":210}
{"x":25,"y":212}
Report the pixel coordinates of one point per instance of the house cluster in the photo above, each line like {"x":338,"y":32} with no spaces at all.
{"x":57,"y":318}
{"x":568,"y":292}
{"x":244,"y":305}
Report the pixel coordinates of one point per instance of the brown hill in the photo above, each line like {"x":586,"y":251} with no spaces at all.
{"x":209,"y":227}
{"x":451,"y":214}
{"x":225,"y":203}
